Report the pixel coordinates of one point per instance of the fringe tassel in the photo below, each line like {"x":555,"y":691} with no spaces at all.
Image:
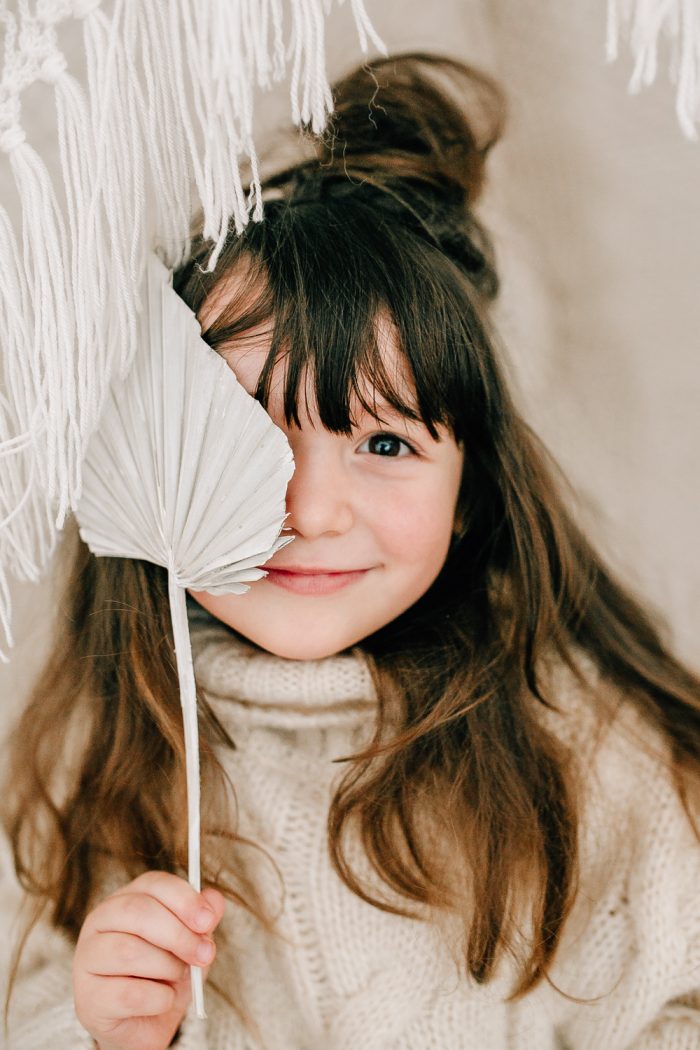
{"x":644,"y":22}
{"x":164,"y":122}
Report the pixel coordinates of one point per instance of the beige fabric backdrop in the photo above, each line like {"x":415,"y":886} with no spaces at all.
{"x":594,"y":202}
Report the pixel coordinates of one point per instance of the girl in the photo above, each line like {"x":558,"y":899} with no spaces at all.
{"x":450,"y":772}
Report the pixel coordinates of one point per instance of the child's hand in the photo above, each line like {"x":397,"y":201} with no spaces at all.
{"x":131,"y":969}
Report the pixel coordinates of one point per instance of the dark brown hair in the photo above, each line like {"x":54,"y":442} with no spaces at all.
{"x":380,"y":221}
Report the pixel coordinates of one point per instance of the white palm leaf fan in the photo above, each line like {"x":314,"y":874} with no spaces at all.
{"x":188,"y":471}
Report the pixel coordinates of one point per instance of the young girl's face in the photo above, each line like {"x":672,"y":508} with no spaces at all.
{"x":372,"y":515}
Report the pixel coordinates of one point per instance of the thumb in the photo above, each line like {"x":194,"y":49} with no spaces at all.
{"x":216,"y":901}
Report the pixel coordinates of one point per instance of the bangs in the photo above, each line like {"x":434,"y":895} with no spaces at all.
{"x":332,"y":290}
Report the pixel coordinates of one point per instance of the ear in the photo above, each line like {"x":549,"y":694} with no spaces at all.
{"x":460,"y":527}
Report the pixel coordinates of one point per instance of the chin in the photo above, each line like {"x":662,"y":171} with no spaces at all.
{"x":290,"y":650}
{"x":313,"y":638}
{"x":300,"y":648}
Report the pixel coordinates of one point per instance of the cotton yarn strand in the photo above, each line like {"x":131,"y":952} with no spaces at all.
{"x":644,"y":22}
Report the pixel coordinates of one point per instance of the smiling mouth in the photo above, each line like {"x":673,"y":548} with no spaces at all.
{"x":313,"y":581}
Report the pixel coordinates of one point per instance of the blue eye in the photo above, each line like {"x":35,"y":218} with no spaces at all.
{"x":387,"y":445}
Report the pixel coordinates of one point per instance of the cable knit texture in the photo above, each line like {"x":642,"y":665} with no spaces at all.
{"x":343,"y":974}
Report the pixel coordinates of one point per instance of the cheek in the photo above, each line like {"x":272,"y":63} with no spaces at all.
{"x":415,"y":526}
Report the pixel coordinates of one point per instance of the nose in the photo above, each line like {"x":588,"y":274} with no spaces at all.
{"x":319,"y":500}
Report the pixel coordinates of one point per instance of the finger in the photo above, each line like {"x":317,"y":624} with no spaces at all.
{"x":122,"y":954}
{"x":176,"y":894}
{"x":144,"y":916}
{"x":216,"y":901}
{"x":121,"y":997}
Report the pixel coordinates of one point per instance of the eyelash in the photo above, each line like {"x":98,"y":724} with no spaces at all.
{"x":387,"y":434}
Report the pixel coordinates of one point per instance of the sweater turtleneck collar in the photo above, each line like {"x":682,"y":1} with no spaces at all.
{"x":268,"y":690}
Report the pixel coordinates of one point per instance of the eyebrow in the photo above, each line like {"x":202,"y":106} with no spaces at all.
{"x":389,"y":416}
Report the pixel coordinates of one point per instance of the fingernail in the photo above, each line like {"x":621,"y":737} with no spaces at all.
{"x":203,"y":918}
{"x":205,"y":951}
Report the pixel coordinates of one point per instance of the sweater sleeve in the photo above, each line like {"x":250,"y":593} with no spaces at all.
{"x":41,"y":1012}
{"x":632,"y":947}
{"x":677,"y":1027}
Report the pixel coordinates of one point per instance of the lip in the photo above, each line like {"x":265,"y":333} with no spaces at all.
{"x":303,"y":580}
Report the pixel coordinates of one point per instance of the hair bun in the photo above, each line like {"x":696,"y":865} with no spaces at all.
{"x":416,"y":117}
{"x":411,"y":132}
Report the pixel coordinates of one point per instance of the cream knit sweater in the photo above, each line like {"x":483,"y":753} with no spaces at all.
{"x":347,"y":976}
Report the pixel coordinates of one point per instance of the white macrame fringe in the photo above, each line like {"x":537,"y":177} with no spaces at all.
{"x":163,"y":123}
{"x":644,"y":22}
